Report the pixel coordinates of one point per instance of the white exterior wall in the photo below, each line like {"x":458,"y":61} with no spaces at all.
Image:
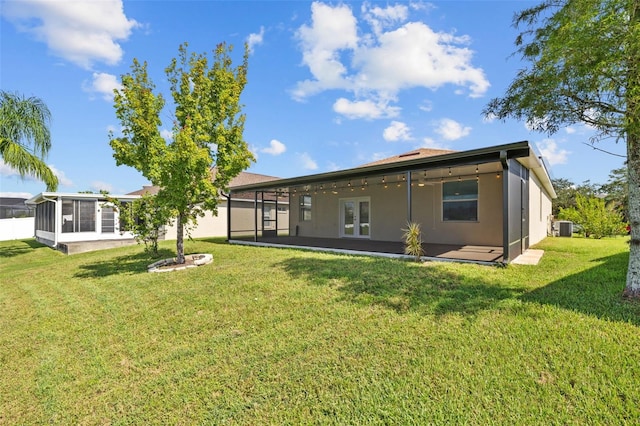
{"x":243,"y":219}
{"x":17,"y":228}
{"x":539,"y":211}
{"x":208,"y":226}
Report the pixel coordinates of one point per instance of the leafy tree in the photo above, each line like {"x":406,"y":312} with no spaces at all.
{"x":24,"y":136}
{"x":616,"y":191}
{"x":595,"y":218}
{"x":144,"y":217}
{"x":583,"y":67}
{"x":566,"y":191}
{"x":207,"y":132}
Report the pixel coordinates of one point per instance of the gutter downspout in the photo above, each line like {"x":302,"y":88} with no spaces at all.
{"x":228,"y":197}
{"x":255,"y":216}
{"x":276,"y":213}
{"x":409,"y":201}
{"x":505,"y":206}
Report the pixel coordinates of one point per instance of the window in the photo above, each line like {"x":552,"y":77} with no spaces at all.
{"x":305,"y":208}
{"x":45,"y":216}
{"x":460,"y":201}
{"x":78,"y":216}
{"x":108,"y":220}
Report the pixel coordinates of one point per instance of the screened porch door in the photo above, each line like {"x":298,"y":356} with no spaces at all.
{"x":355,"y":218}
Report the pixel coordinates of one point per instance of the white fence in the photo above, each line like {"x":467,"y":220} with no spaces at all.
{"x":16,"y":228}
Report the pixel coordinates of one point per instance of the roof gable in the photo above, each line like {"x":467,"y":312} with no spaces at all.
{"x":244,"y":178}
{"x":411,"y":155}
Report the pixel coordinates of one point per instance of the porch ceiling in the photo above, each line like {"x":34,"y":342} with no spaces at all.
{"x":464,"y":163}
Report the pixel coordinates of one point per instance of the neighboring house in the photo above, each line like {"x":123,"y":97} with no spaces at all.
{"x":63,"y":219}
{"x":483,"y":204}
{"x":79,"y":222}
{"x":245,"y":210}
{"x":11,"y":207}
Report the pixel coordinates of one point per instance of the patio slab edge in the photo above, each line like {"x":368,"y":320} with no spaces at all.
{"x":362,"y":253}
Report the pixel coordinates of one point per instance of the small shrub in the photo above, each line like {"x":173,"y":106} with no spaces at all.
{"x":413,"y":240}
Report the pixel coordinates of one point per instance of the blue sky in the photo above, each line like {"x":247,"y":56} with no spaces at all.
{"x":331,"y":85}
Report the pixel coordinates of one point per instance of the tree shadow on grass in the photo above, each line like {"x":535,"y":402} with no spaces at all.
{"x":401,"y":286}
{"x":122,"y":265}
{"x":596,"y":291}
{"x":20,"y":247}
{"x":213,"y":240}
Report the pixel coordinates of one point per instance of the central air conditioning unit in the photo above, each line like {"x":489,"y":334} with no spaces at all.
{"x":565,"y":228}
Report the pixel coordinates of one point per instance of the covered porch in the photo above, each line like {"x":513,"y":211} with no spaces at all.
{"x":471,"y":206}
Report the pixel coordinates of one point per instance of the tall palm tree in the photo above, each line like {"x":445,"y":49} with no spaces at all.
{"x":24,"y":136}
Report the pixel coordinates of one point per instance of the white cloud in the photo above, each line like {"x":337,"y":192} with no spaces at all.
{"x":570,"y":130}
{"x":333,"y":29}
{"x":552,"y":154}
{"x":426,"y":106}
{"x":333,"y":167}
{"x":254,"y":150}
{"x":63,"y":180}
{"x":451,"y":130}
{"x":98,"y":186}
{"x":535,"y":124}
{"x":430,"y":143}
{"x":340,"y":55}
{"x":307,"y":162}
{"x":428,"y":59}
{"x":380,"y":18}
{"x":103,"y":84}
{"x":367,"y":109}
{"x":166,"y":134}
{"x":255,"y":39}
{"x":275,"y":148}
{"x":397,"y":131}
{"x":7,"y":170}
{"x":490,"y":118}
{"x":82,"y":32}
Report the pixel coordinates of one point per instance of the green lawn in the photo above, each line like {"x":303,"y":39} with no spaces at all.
{"x":277,"y":336}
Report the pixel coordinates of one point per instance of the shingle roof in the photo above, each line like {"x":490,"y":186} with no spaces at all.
{"x":244,"y":178}
{"x":411,"y":155}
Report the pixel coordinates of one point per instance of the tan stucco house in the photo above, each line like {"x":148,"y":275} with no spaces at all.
{"x":274,"y":215}
{"x":488,"y":204}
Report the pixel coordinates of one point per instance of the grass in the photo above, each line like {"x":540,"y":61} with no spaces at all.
{"x":277,"y":336}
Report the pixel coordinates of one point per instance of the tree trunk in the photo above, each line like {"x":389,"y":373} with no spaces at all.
{"x":180,"y":240}
{"x":632,"y":289}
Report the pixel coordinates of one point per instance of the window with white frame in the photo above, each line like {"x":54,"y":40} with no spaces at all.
{"x":108,"y":219}
{"x":78,"y":216}
{"x":460,"y":201}
{"x":305,"y":208}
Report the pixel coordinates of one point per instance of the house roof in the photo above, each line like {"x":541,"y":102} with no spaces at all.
{"x":52,"y":196}
{"x":244,"y":178}
{"x":13,"y":202}
{"x":411,"y":155}
{"x":423,"y":160}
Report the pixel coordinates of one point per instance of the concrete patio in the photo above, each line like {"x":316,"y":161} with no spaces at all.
{"x":460,"y":253}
